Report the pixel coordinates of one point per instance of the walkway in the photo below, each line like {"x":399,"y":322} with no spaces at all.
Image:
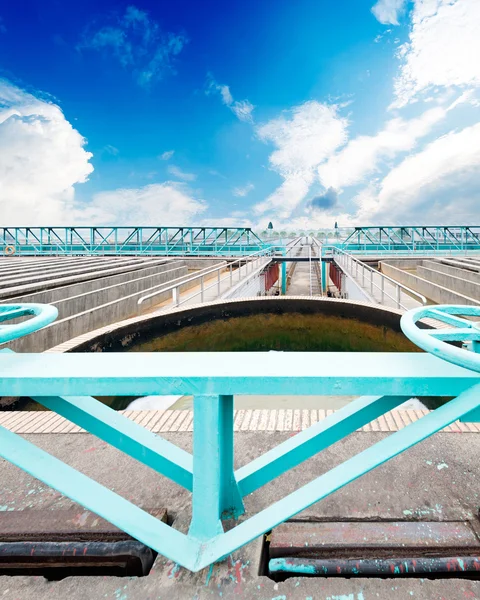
{"x":376,"y":287}
{"x":304,"y":281}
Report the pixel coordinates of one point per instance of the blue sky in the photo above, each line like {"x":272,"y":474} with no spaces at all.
{"x":303,"y":113}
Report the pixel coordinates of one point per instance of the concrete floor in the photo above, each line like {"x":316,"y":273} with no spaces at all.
{"x":435,"y":481}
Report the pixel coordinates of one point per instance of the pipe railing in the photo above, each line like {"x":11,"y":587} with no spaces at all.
{"x":175,"y":288}
{"x":353,"y":266}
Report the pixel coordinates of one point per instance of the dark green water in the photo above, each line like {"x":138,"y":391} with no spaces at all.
{"x":264,"y":332}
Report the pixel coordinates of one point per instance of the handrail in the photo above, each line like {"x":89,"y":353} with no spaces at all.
{"x":383,"y":277}
{"x":175,"y":286}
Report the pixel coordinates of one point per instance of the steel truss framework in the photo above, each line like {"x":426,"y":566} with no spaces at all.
{"x":128,"y":240}
{"x":56,"y":380}
{"x":411,"y":238}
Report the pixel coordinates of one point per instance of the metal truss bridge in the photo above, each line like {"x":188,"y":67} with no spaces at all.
{"x":226,"y":241}
{"x":164,"y":241}
{"x":412,"y":238}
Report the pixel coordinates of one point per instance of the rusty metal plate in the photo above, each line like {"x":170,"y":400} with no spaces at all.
{"x":74,"y":524}
{"x":395,"y":538}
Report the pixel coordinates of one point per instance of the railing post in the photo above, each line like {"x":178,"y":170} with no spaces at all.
{"x":398,"y":296}
{"x":176,"y":296}
{"x":215,"y":490}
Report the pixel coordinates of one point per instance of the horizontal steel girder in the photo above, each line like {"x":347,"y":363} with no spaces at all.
{"x":138,"y":373}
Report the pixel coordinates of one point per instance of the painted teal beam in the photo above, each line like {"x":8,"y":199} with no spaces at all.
{"x":324,"y":276}
{"x":125,"y":435}
{"x":215,"y":491}
{"x":218,"y":373}
{"x":316,"y":438}
{"x":338,"y":477}
{"x":97,"y":498}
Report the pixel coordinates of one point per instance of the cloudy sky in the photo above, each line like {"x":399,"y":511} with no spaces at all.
{"x":238,"y":113}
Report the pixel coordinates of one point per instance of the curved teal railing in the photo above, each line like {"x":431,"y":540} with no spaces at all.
{"x":434,"y":340}
{"x":42,"y":314}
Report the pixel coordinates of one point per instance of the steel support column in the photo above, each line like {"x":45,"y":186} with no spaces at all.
{"x":215,"y":492}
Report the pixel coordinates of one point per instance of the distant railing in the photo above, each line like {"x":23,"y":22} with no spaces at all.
{"x":358,"y":269}
{"x":250,"y":263}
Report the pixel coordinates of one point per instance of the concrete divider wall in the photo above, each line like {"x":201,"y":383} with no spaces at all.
{"x":47,"y":268}
{"x":104,"y":295}
{"x":69,"y":291}
{"x":64,"y":329}
{"x":61,"y":281}
{"x":454,"y":271}
{"x":403,"y":263}
{"x":90,"y":268}
{"x":433,"y":291}
{"x":460,"y":285}
{"x":195,"y":264}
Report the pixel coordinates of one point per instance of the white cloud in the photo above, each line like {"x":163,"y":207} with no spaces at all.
{"x":388,"y":11}
{"x":287,"y":196}
{"x":443,"y":48}
{"x":167,"y":155}
{"x":362,"y":155}
{"x":242,"y":109}
{"x":177,"y":172}
{"x":439,"y":183}
{"x":109,"y":149}
{"x":304,"y":137}
{"x":158,"y":204}
{"x":136,"y":40}
{"x":243,"y":191}
{"x":42,"y":157}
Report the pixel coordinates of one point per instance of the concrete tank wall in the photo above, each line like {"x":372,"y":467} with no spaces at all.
{"x":27,"y":287}
{"x":127,"y":334}
{"x":57,"y":294}
{"x":433,"y":291}
{"x":454,"y":271}
{"x":77,"y":324}
{"x":459,"y":284}
{"x":402,"y":263}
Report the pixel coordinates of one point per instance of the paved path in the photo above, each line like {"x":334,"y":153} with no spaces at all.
{"x":435,"y":481}
{"x":167,"y":421}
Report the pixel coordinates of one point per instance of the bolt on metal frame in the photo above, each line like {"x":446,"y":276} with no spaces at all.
{"x":65,"y":383}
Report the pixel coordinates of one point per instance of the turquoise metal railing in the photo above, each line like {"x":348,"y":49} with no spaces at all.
{"x":161,"y":241}
{"x":225,"y":241}
{"x":408,"y":239}
{"x":65,"y":383}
